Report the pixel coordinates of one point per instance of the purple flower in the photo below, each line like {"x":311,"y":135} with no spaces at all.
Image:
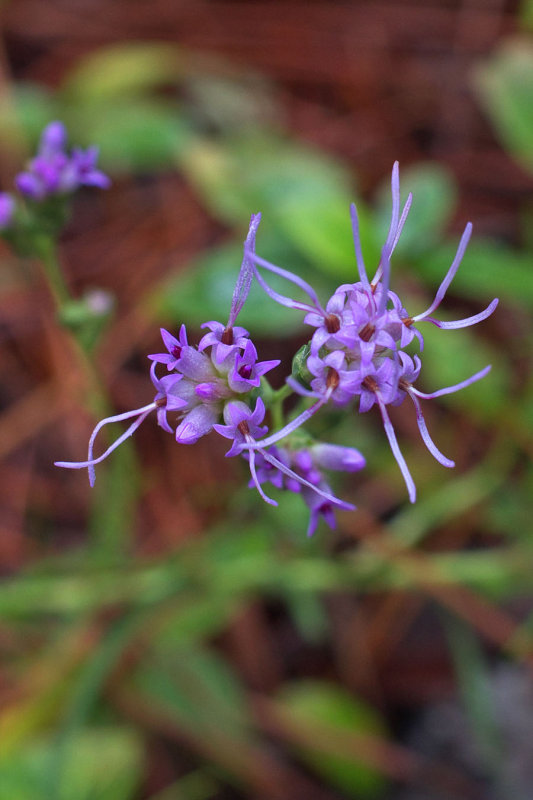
{"x":166,"y":398}
{"x":174,"y":347}
{"x":337,"y":457}
{"x":302,"y":474}
{"x":246,"y":371}
{"x":333,"y":379}
{"x":357,"y":346}
{"x":242,"y":426}
{"x":7,"y":210}
{"x":53,"y":171}
{"x":84,"y":162}
{"x":223,"y":340}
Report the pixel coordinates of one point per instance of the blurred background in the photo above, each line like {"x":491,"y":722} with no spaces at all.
{"x":167,"y":636}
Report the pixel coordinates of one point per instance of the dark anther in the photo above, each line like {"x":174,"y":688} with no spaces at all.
{"x":367,"y":331}
{"x":407,"y":321}
{"x":332,"y":323}
{"x":227,"y":335}
{"x":245,"y":371}
{"x":243,"y":428}
{"x":161,"y":402}
{"x":176,"y":351}
{"x":332,"y":379}
{"x":403,"y":384}
{"x":370,"y":383}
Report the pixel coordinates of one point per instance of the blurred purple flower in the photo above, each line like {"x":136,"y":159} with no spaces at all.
{"x":53,"y":172}
{"x":303,"y":475}
{"x":7,"y":209}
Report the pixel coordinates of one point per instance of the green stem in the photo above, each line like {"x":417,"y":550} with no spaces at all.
{"x":49,"y":259}
{"x":111,"y":511}
{"x":96,"y":398}
{"x":276,"y":406}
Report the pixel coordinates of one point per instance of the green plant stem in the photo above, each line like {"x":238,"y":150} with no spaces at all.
{"x":276,"y":406}
{"x":47,"y":252}
{"x":96,"y":398}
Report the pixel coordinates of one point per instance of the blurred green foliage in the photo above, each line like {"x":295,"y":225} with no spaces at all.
{"x":151,"y":107}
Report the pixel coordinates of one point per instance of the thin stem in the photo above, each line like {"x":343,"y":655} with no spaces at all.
{"x":96,"y":398}
{"x":53,"y":272}
{"x":276,"y":406}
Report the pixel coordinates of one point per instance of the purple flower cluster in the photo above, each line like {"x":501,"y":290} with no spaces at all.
{"x":210,"y":387}
{"x":357,"y":347}
{"x":53,"y":171}
{"x":357,"y":351}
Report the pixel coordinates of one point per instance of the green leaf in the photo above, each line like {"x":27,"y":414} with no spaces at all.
{"x":308,"y":196}
{"x":305,"y":194}
{"x":319,"y":706}
{"x":29,"y":108}
{"x":473,"y":677}
{"x":197,"y":687}
{"x":504,"y":85}
{"x":526,"y":14}
{"x":242,"y":101}
{"x":103,"y":763}
{"x":204,"y":290}
{"x":137,"y":134}
{"x":111,"y":73}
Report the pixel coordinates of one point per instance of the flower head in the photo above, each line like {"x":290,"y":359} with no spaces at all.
{"x":54,"y":172}
{"x":356,"y":350}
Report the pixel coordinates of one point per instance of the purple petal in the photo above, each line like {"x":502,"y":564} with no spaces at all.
{"x":53,"y":137}
{"x":196,"y":423}
{"x":29,"y":185}
{"x":246,"y":274}
{"x":337,"y":457}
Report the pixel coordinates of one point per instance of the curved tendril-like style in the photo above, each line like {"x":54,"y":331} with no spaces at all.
{"x":455,"y":388}
{"x":358,"y":250}
{"x":291,"y":426}
{"x":253,"y":473}
{"x":290,"y":276}
{"x":465,"y":323}
{"x":428,"y":441}
{"x":141,"y":414}
{"x":391,"y":436}
{"x":401,"y":223}
{"x":286,"y":471}
{"x":448,"y":278}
